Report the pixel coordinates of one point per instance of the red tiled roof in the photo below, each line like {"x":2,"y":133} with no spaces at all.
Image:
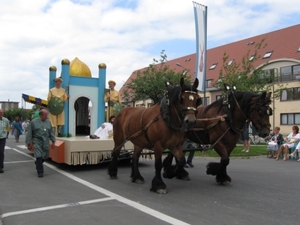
{"x":284,"y":43}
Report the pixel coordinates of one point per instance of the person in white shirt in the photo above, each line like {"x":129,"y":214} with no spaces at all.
{"x":25,"y":125}
{"x":290,"y":141}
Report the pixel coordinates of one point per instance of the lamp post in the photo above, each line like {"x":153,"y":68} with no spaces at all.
{"x":185,"y":69}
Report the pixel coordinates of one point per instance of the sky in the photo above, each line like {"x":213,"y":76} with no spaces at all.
{"x":126,"y":35}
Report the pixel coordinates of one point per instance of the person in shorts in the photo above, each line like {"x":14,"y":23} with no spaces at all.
{"x":245,"y":138}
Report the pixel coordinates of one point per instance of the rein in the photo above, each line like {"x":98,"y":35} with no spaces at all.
{"x":231,"y":123}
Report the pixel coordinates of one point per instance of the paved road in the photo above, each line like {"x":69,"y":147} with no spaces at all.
{"x":264,"y":191}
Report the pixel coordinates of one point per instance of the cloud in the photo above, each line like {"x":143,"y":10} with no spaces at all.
{"x":125,"y":35}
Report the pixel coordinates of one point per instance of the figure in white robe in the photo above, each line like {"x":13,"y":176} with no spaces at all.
{"x":105,"y":131}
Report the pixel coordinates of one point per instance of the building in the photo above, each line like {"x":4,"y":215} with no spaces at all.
{"x":282,"y":54}
{"x":6,"y":105}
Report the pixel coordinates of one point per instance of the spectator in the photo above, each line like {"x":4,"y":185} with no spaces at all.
{"x":25,"y":125}
{"x":293,"y":154}
{"x":16,"y":129}
{"x":274,"y":142}
{"x":190,"y":145}
{"x":245,"y":137}
{"x":290,"y":141}
{"x":4,"y":126}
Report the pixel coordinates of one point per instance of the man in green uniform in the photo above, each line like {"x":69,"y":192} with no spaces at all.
{"x":38,"y":134}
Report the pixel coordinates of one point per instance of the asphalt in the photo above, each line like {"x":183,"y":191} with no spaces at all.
{"x":263,"y":191}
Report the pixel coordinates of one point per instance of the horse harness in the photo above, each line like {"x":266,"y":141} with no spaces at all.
{"x":165,"y":112}
{"x":219,"y":119}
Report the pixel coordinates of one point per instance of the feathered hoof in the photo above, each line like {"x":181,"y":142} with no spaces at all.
{"x":161,"y":191}
{"x":224,"y":181}
{"x":138,"y":181}
{"x":113,"y":177}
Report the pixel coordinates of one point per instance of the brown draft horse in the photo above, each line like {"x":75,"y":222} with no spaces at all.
{"x":220,"y":125}
{"x":159,"y":127}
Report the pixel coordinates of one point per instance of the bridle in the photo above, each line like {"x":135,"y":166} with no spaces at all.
{"x":191,"y":97}
{"x":258,"y":108}
{"x":180,"y":112}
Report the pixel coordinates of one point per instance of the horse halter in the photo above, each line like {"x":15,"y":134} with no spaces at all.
{"x":190,"y":98}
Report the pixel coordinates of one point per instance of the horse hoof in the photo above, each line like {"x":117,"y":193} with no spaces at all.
{"x":187,"y":178}
{"x":113,"y":177}
{"x":161,"y":191}
{"x":225,"y":183}
{"x":138,"y":181}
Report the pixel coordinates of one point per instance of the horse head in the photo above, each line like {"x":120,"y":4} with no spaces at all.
{"x":181,"y":102}
{"x":189,"y":101}
{"x":260,"y":114}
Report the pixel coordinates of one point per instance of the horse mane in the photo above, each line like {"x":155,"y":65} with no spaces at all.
{"x":244,"y":104}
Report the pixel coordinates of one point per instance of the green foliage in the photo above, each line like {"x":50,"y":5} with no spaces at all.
{"x":255,"y":150}
{"x":244,"y":75}
{"x":23,"y":114}
{"x":150,"y":82}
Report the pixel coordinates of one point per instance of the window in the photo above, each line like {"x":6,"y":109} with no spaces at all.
{"x":230,"y":62}
{"x":270,"y":75}
{"x":290,"y":94}
{"x":208,"y":83}
{"x":251,"y":57}
{"x":290,"y":73}
{"x":205,"y":101}
{"x":290,"y":118}
{"x":213,"y":66}
{"x":268,"y":54}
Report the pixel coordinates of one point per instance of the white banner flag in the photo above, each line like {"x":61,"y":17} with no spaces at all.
{"x":200,"y":12}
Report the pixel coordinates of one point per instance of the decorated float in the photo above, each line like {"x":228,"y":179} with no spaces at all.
{"x":84,"y":113}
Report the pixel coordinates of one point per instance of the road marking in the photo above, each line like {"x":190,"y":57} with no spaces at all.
{"x":22,"y":146}
{"x":55,"y":207}
{"x":23,"y":161}
{"x":111,"y":195}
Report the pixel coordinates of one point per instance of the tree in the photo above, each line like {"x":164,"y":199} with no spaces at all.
{"x":23,"y":114}
{"x":245,"y":76}
{"x":150,"y":82}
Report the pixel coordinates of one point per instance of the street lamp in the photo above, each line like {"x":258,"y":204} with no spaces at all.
{"x":185,"y":69}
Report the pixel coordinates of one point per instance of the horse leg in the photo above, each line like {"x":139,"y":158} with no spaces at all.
{"x":158,"y":185}
{"x":135,"y":173}
{"x":219,"y":170}
{"x":180,"y":172}
{"x":169,"y":169}
{"x":113,"y":166}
